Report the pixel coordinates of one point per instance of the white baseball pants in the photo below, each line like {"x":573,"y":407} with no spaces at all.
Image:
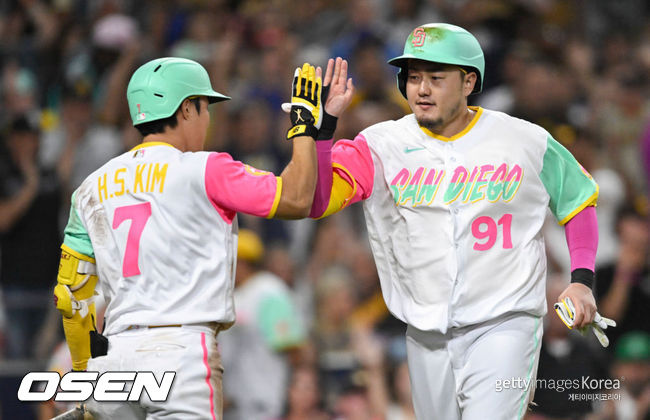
{"x":189,"y":350}
{"x":484,"y":371}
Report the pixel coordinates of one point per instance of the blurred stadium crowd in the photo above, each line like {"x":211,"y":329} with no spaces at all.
{"x":578,"y":68}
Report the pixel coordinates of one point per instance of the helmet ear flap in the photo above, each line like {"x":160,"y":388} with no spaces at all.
{"x":401,"y":80}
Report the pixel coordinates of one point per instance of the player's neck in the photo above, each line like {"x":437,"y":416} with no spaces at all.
{"x":170,"y":137}
{"x":458,"y":123}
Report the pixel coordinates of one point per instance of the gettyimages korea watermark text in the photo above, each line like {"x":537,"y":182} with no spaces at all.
{"x":80,"y":386}
{"x":584,"y":388}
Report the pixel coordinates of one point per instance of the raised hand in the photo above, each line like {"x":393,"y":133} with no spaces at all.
{"x":337,"y":93}
{"x":306,"y":107}
{"x":338,"y":86}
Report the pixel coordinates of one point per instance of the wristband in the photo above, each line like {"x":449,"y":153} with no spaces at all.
{"x":583,"y":276}
{"x":328,"y":127}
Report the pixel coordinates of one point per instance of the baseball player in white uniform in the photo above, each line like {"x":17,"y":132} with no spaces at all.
{"x":156,"y":230}
{"x":454,"y":201}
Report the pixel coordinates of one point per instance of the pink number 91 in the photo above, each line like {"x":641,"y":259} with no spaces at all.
{"x":484,"y":227}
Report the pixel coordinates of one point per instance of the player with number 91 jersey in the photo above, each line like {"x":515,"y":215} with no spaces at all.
{"x":454,"y":226}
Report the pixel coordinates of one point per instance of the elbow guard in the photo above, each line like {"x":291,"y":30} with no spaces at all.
{"x":75,"y":283}
{"x":73,"y":297}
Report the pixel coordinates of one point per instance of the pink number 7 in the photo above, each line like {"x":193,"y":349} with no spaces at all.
{"x":138,"y":214}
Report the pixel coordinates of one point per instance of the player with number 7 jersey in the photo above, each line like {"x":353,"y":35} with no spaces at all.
{"x":155,"y":229}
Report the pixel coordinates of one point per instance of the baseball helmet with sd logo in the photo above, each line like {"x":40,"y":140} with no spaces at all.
{"x":441,"y":43}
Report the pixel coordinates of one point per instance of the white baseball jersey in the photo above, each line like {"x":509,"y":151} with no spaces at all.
{"x":162,"y":227}
{"x":455,"y":223}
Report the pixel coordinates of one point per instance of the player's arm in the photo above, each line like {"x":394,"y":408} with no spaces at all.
{"x":572,"y":197}
{"x":337,"y":186}
{"x":582,"y":239}
{"x":75,"y":289}
{"x":234,"y":187}
{"x":576,"y":306}
{"x":345,"y":176}
{"x":297,"y":181}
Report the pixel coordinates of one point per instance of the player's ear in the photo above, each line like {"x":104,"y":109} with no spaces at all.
{"x":468,"y":82}
{"x":185,"y":108}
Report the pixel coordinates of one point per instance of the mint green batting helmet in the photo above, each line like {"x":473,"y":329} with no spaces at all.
{"x":158,"y":87}
{"x":441,"y":43}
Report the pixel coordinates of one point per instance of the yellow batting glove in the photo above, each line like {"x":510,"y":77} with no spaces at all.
{"x":306,"y":106}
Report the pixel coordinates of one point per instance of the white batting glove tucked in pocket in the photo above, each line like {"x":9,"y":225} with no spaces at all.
{"x":566,"y":311}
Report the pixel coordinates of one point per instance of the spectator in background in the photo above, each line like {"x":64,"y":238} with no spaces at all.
{"x":29,"y":237}
{"x":19,"y":93}
{"x":645,"y":144}
{"x":265,"y":341}
{"x":401,"y":405}
{"x":353,"y":403}
{"x":200,"y":36}
{"x":623,"y":288}
{"x":280,"y":262}
{"x":79,"y":144}
{"x":258,"y":151}
{"x":111,"y":34}
{"x":404,"y":15}
{"x":304,"y":398}
{"x":621,"y":121}
{"x":513,"y":66}
{"x":362,"y":22}
{"x":3,"y":325}
{"x":248,"y":143}
{"x":533,"y":94}
{"x":332,"y":335}
{"x":371,"y":312}
{"x":375,"y":83}
{"x":632,"y":368}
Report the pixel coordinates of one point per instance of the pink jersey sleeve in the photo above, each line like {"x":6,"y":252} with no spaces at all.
{"x":233,"y":186}
{"x":354,"y":156}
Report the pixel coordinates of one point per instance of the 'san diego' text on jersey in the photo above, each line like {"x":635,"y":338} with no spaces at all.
{"x":494,"y":182}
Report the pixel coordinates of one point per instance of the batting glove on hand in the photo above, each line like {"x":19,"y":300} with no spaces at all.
{"x":306,"y":107}
{"x":566,"y":311}
{"x":328,"y":126}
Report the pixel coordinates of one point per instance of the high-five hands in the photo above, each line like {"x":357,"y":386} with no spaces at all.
{"x":336,"y":93}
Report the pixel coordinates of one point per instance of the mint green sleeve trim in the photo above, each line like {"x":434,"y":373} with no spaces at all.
{"x":568,"y":184}
{"x":75,"y":234}
{"x":279,"y":322}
